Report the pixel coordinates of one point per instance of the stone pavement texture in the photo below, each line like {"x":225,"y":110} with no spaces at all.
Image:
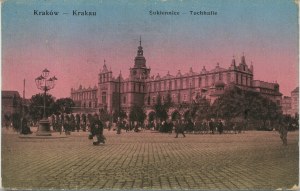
{"x":148,"y":160}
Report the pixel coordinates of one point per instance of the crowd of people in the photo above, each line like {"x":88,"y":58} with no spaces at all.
{"x":203,"y":127}
{"x":95,"y":126}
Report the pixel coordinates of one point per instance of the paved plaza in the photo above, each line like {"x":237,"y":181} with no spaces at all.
{"x":151,"y":160}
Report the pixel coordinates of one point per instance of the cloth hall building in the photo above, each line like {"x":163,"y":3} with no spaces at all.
{"x":141,"y":88}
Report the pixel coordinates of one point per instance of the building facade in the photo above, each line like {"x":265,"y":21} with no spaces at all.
{"x":295,"y":101}
{"x":11,"y":101}
{"x":286,"y":105}
{"x":141,"y":88}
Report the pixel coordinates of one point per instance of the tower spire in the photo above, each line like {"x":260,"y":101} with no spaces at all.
{"x":140,"y":40}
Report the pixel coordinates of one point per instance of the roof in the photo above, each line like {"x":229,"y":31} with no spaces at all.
{"x":10,"y":93}
{"x":295,"y":90}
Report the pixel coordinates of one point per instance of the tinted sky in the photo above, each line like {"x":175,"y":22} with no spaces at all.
{"x":73,"y":47}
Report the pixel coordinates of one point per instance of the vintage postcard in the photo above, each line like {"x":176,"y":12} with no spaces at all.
{"x":151,"y":95}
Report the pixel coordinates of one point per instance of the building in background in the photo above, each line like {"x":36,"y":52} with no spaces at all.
{"x":294,"y":101}
{"x":11,"y":101}
{"x":142,"y":89}
{"x":289,"y":104}
{"x":286,"y":105}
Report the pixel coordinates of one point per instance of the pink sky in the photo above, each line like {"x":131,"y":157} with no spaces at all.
{"x":73,"y":48}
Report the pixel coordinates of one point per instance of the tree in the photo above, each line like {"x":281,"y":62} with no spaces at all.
{"x":203,"y":109}
{"x":175,"y":115}
{"x":137,"y":114}
{"x":36,"y":107}
{"x":104,"y":115}
{"x":200,"y":109}
{"x":151,"y":116}
{"x":77,"y":120}
{"x":64,"y":105}
{"x":72,"y":122}
{"x":16,"y":121}
{"x":161,"y":109}
{"x":7,"y":120}
{"x":122,"y":114}
{"x":246,"y":106}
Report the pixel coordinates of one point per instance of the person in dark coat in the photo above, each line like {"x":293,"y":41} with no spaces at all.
{"x":119,"y":126}
{"x":283,"y":131}
{"x":25,"y":129}
{"x":220,"y":127}
{"x":97,"y":131}
{"x":211,"y":126}
{"x":179,"y":128}
{"x":170,"y":126}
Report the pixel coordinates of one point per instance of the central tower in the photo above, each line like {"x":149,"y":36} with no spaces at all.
{"x":139,"y":71}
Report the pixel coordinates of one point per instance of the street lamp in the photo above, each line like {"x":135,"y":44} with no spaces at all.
{"x":45,"y":84}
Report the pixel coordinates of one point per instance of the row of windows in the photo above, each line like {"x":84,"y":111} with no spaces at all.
{"x":135,"y":87}
{"x":90,"y":104}
{"x":105,"y":77}
{"x":164,"y":98}
{"x":84,"y":95}
{"x":191,"y":83}
{"x":243,"y":80}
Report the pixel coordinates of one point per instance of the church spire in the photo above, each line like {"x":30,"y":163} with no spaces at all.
{"x":140,"y":48}
{"x":233,"y":61}
{"x":140,"y":40}
{"x":243,"y":60}
{"x":140,"y":60}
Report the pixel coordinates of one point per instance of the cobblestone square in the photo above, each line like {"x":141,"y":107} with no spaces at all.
{"x":150,"y":160}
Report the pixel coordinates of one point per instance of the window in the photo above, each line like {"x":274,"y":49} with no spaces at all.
{"x":193,"y":82}
{"x":103,"y":97}
{"x":228,"y":78}
{"x":90,"y":104}
{"x":124,"y":99}
{"x":148,"y":100}
{"x":153,"y":99}
{"x":199,"y":82}
{"x":181,"y":83}
{"x":184,"y":97}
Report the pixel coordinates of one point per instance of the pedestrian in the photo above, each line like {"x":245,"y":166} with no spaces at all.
{"x":179,"y":128}
{"x":211,"y":126}
{"x":283,"y":131}
{"x":97,"y":132}
{"x":126,"y":126}
{"x":119,"y":126}
{"x":170,"y":126}
{"x":25,"y":129}
{"x":220,"y":127}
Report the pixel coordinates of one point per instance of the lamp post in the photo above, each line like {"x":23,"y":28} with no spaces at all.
{"x":45,"y":84}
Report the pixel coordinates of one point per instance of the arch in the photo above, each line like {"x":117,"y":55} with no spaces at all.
{"x":151,"y":116}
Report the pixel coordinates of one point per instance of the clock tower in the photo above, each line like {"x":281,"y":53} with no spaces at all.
{"x":140,"y":71}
